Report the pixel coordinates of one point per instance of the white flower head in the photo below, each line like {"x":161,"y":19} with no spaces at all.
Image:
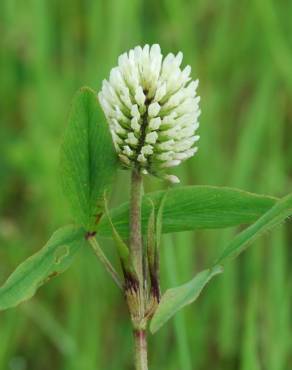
{"x":152,"y":107}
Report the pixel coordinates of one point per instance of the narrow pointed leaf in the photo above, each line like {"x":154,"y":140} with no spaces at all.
{"x":54,"y":258}
{"x":159,"y":219}
{"x":194,"y":207}
{"x":275,"y":216}
{"x":176,"y":298}
{"x":154,"y":236}
{"x":151,"y":239}
{"x":122,"y":248}
{"x":88,"y":159}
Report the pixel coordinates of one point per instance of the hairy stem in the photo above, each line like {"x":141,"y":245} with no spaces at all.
{"x":140,"y":350}
{"x":136,"y":247}
{"x":135,"y":224}
{"x":104,"y":260}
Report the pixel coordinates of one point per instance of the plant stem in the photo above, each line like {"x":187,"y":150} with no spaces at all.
{"x":135,"y":224}
{"x":140,"y":349}
{"x":136,"y":247}
{"x":104,"y":260}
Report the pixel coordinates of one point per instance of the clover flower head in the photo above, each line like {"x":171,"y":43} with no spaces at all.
{"x":152,"y":108}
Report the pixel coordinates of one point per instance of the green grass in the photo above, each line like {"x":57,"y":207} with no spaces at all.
{"x":242,"y":53}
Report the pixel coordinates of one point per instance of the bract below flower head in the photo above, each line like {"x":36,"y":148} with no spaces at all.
{"x":151,"y":105}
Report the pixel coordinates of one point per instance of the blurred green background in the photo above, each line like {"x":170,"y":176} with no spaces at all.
{"x":242,"y":54}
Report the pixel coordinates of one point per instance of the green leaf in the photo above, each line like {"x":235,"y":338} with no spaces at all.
{"x":151,"y":240}
{"x":54,"y":258}
{"x":176,"y":298}
{"x":159,"y":219}
{"x":275,"y":216}
{"x":194,"y":207}
{"x":88,"y":159}
{"x":122,"y":248}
